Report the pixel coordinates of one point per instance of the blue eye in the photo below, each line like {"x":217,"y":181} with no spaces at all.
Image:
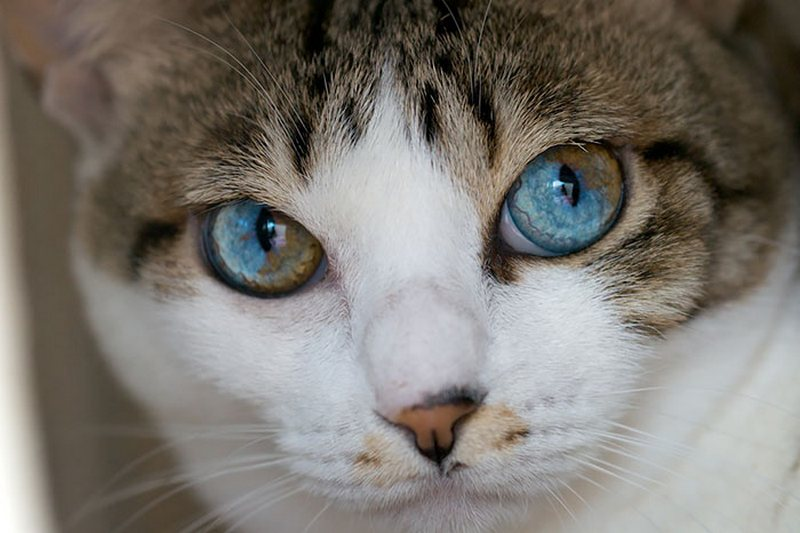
{"x":565,"y":200}
{"x":259,"y":251}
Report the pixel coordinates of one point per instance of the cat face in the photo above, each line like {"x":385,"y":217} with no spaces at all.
{"x":393,"y":132}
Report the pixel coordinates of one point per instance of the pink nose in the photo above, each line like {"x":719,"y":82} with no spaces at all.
{"x":434,"y":426}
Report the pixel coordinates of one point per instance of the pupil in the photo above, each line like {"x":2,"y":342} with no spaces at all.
{"x":265,"y":229}
{"x":570,"y":187}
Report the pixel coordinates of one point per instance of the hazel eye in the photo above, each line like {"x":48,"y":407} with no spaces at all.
{"x":259,"y":251}
{"x":564,"y":201}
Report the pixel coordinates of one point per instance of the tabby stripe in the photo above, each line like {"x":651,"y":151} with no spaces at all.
{"x":430,"y":121}
{"x":481,"y":103}
{"x":667,"y":149}
{"x":671,"y":149}
{"x":152,"y":236}
{"x":351,"y":121}
{"x":444,"y":65}
{"x":377,"y":18}
{"x":316,"y":31}
{"x":449,"y":17}
{"x":300,"y":141}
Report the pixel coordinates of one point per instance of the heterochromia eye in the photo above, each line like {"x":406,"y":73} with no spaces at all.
{"x":565,"y":200}
{"x":259,"y":251}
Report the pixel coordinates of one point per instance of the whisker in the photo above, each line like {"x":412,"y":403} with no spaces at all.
{"x":577,"y":495}
{"x":186,"y":485}
{"x":243,"y":70}
{"x":317,"y":517}
{"x":756,"y":399}
{"x":626,"y":471}
{"x":639,"y":486}
{"x":478,"y":48}
{"x":618,"y":450}
{"x":266,"y":69}
{"x":84,"y":510}
{"x":208,"y":520}
{"x":689,"y":453}
{"x":184,"y":480}
{"x":148,"y":432}
{"x":549,"y":497}
{"x":605,"y":489}
{"x":262,"y":507}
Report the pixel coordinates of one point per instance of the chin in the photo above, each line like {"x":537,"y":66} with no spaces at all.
{"x":452,"y":510}
{"x":441,"y":503}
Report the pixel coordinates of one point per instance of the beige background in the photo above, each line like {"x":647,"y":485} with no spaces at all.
{"x":86,"y":420}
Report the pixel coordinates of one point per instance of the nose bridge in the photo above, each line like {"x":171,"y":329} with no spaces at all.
{"x":422,"y":341}
{"x":412,"y":272}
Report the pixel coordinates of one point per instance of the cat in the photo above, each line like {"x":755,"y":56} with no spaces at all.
{"x":446,"y":265}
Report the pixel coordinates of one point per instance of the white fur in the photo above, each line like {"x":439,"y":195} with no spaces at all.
{"x":407,"y":312}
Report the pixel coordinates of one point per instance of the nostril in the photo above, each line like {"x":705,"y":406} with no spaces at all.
{"x":433,"y":423}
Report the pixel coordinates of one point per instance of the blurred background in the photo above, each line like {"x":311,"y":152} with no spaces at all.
{"x":96,"y":446}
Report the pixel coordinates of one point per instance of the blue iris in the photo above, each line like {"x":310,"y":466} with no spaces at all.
{"x":259,"y":251}
{"x":565,"y":200}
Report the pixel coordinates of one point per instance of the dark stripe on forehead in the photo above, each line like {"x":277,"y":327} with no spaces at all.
{"x":377,"y":18}
{"x":300,"y":142}
{"x":444,"y":64}
{"x":430,"y":120}
{"x":353,"y":121}
{"x":152,"y":236}
{"x":449,"y":17}
{"x":480,"y":100}
{"x":317,"y":31}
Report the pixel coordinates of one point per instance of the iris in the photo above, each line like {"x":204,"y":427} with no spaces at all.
{"x":564,"y":201}
{"x":259,"y":251}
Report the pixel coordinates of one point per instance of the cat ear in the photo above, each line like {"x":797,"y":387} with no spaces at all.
{"x":766,"y":32}
{"x":720,"y":16}
{"x":92,"y":58}
{"x":75,"y":89}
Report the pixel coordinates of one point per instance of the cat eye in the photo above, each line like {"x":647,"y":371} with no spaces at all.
{"x":260,"y":251}
{"x":564,"y":201}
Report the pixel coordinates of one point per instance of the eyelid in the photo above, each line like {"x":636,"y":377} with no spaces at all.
{"x":513,"y":237}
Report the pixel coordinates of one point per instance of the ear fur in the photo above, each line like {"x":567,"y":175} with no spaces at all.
{"x":765,"y":32}
{"x":720,"y":16}
{"x":91,"y":58}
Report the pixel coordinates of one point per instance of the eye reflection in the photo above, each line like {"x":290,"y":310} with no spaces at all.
{"x":564,"y":201}
{"x":260,"y":251}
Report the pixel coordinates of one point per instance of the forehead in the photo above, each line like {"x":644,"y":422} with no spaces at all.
{"x":275,"y":101}
{"x":287,"y":89}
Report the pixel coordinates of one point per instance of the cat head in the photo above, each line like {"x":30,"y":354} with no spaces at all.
{"x":332,"y":214}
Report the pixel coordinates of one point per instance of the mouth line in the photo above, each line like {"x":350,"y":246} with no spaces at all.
{"x":409,"y":494}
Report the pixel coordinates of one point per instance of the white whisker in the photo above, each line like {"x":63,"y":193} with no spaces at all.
{"x":639,"y":486}
{"x":317,"y":517}
{"x":207,"y":521}
{"x":262,"y":507}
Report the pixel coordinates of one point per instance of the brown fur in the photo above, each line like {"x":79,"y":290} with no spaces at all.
{"x":492,"y":429}
{"x":708,"y":147}
{"x":380,"y":464}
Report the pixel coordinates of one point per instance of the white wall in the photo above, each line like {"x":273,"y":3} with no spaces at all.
{"x":23,"y":505}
